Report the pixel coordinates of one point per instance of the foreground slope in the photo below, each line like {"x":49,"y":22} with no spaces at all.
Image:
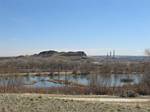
{"x":49,"y":103}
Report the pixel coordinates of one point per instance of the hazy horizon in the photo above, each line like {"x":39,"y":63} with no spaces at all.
{"x":93,"y":26}
{"x":90,"y":52}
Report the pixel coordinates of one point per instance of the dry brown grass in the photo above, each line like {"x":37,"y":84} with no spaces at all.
{"x":44,"y":103}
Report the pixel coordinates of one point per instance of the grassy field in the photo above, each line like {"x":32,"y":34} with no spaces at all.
{"x":46,"y":103}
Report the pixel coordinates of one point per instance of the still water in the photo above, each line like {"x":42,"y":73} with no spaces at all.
{"x":113,"y":80}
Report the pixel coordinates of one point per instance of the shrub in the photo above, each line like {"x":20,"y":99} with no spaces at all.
{"x":129,"y":93}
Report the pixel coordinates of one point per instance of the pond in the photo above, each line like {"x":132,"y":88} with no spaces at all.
{"x":113,"y":80}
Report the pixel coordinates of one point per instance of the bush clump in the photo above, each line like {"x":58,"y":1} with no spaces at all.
{"x":128,"y":93}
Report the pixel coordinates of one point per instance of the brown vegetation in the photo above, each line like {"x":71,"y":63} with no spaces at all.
{"x":77,"y":63}
{"x":47,"y":103}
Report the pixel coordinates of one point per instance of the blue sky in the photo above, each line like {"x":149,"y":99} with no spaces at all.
{"x":96,"y":26}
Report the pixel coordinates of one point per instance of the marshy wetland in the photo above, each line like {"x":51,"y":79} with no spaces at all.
{"x":100,"y":84}
{"x":46,"y":81}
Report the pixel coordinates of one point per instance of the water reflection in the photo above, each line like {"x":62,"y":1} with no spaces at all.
{"x":113,"y":80}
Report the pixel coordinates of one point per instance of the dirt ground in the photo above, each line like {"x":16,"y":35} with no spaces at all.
{"x":62,"y":103}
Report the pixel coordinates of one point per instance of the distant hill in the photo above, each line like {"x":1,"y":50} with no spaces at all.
{"x":121,"y":59}
{"x":52,"y":52}
{"x":77,"y":62}
{"x":44,"y":61}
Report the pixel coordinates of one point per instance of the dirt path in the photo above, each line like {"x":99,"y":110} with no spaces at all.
{"x":123,"y":100}
{"x":94,"y":98}
{"x":70,"y":103}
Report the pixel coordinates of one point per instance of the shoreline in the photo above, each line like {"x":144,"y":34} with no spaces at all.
{"x":59,"y":73}
{"x":35,"y":73}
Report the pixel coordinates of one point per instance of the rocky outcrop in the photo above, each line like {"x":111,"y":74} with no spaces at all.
{"x":78,"y":53}
{"x":47,"y":53}
{"x":51,"y":53}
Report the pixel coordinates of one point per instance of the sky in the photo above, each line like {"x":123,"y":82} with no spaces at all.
{"x":95,"y":26}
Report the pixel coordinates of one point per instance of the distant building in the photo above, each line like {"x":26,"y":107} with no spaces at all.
{"x":111,"y":54}
{"x":114,"y":54}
